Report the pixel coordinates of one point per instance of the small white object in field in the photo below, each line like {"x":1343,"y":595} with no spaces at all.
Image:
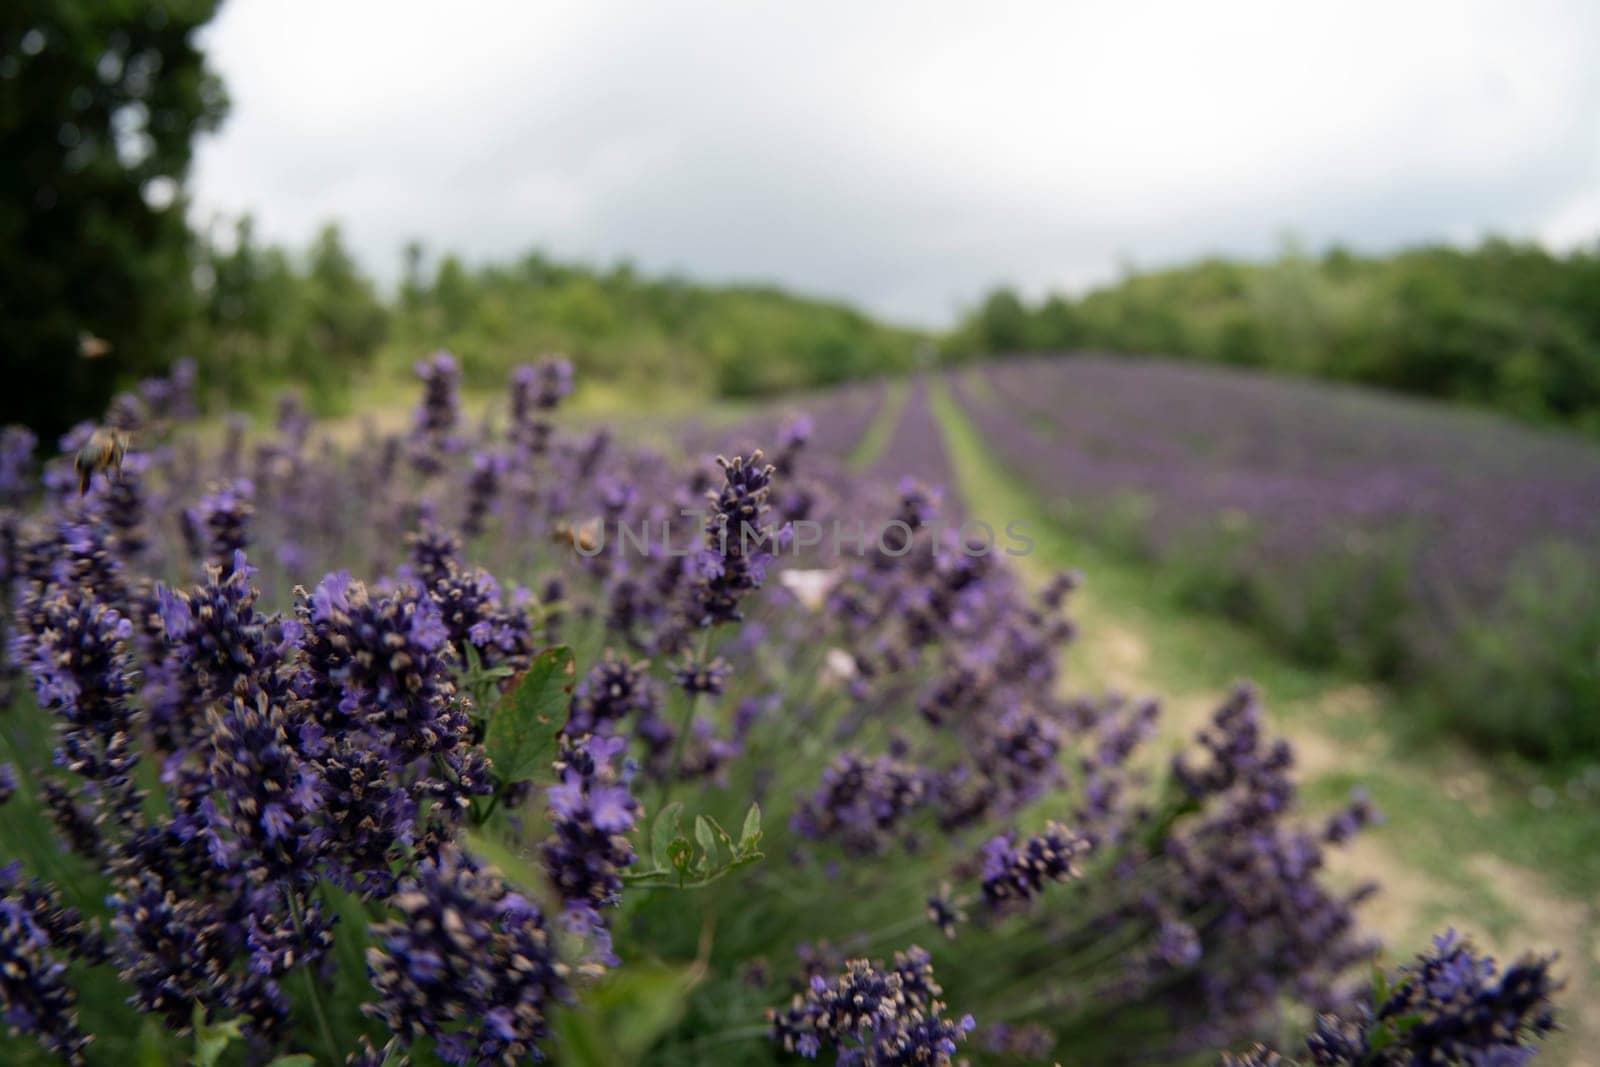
{"x":838,"y":665}
{"x":811,"y":588}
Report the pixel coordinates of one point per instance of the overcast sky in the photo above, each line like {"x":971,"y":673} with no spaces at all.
{"x":906,"y":156}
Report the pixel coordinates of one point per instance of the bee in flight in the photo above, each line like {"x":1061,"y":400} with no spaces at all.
{"x":587,"y":537}
{"x":102,"y":452}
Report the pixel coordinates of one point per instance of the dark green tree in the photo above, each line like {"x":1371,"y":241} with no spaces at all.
{"x":100,"y":102}
{"x":1003,"y":322}
{"x":413,"y":286}
{"x":347,"y":320}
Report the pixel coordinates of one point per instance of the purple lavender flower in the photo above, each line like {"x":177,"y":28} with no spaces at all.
{"x":873,"y":1016}
{"x":861,"y":803}
{"x":178,"y":948}
{"x":469,"y":963}
{"x":383,"y":662}
{"x":945,"y":912}
{"x":366,"y":818}
{"x":536,"y":390}
{"x":488,"y":468}
{"x":265,"y":792}
{"x":1355,"y":817}
{"x":214,"y":639}
{"x":474,"y":610}
{"x":83,"y":673}
{"x":1015,"y":873}
{"x":739,"y":540}
{"x":792,"y":440}
{"x":702,"y":679}
{"x":433,"y":435}
{"x":1448,"y":1006}
{"x":610,"y":694}
{"x":591,"y":813}
{"x":76,"y":823}
{"x":126,"y":412}
{"x":434,"y":553}
{"x":171,"y":397}
{"x":1177,"y":944}
{"x":1061,"y":586}
{"x":126,"y":507}
{"x":37,"y":937}
{"x":222,"y":520}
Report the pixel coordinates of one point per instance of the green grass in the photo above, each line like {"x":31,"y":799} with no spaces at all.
{"x":881,"y":432}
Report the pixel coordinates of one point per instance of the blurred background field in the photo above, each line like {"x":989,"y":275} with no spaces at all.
{"x":1360,"y":466}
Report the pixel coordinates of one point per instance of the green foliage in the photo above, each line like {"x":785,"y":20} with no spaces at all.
{"x":619,"y":326}
{"x":1528,"y":677}
{"x":265,"y":318}
{"x":99,"y":105}
{"x":481,"y":683}
{"x":1505,"y":325}
{"x":1348,"y":607}
{"x":1522,"y":678}
{"x":270,"y":318}
{"x":622,"y":1016}
{"x":521,"y":735}
{"x":676,"y":863}
{"x":212,"y":1039}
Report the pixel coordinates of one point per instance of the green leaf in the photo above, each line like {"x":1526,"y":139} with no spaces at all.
{"x":153,"y":1050}
{"x":619,"y":1019}
{"x":350,"y":946}
{"x":663,"y":831}
{"x":750,"y":836}
{"x":639,"y":1004}
{"x":582,"y":1038}
{"x":210,"y":1040}
{"x":675,"y":862}
{"x":297,"y":1059}
{"x":708,"y":843}
{"x":1380,"y":986}
{"x":723,"y":837}
{"x":521,"y":738}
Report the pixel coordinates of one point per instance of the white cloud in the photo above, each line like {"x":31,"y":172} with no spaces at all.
{"x":905,"y":155}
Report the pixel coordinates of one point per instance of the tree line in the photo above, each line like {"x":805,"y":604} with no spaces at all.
{"x":1506,"y":325}
{"x":315,"y":320}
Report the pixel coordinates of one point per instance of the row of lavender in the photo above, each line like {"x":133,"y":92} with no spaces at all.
{"x":1391,"y":535}
{"x":836,"y":419}
{"x":260,"y":807}
{"x":915,"y":449}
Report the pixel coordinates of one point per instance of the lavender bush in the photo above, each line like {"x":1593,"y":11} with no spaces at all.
{"x":385,"y":754}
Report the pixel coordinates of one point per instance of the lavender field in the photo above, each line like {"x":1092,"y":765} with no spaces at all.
{"x":290,"y":786}
{"x":466,"y":781}
{"x":1405,"y":540}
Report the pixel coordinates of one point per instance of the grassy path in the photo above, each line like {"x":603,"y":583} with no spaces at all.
{"x":881,"y":432}
{"x":1458,"y":847}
